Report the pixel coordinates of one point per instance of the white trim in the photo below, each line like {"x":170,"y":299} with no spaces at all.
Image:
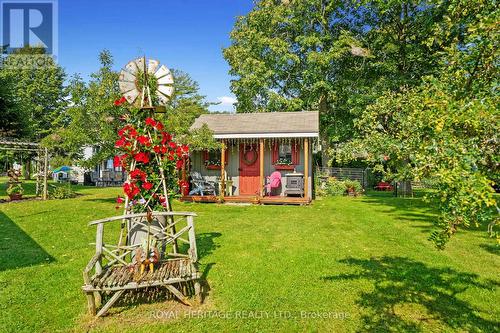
{"x":265,"y":135}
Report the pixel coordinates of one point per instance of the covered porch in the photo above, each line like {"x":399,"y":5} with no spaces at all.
{"x":269,"y":162}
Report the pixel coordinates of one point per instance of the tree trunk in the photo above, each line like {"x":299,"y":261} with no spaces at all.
{"x":323,"y":109}
{"x":27,"y":169}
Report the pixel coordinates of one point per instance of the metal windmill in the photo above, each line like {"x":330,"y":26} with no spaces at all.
{"x":149,"y":86}
{"x":137,"y":79}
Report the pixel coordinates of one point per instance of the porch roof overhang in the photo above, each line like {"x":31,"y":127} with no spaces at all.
{"x":302,"y":124}
{"x":264,"y":135}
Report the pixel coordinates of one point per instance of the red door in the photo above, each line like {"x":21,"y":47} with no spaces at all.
{"x":249,"y":169}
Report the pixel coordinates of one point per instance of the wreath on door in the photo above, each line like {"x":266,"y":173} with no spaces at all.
{"x":250,"y":161}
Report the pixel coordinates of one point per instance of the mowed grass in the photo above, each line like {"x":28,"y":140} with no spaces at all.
{"x":340,"y":265}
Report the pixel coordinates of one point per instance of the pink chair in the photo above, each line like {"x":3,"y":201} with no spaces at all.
{"x":273,"y":181}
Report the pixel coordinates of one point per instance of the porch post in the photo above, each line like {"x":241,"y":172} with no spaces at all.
{"x":222,"y":169}
{"x":306,"y":168}
{"x":261,"y":169}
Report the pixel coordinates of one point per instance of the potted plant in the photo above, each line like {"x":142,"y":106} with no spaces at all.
{"x":212,"y":165}
{"x":284,"y":164}
{"x":15,"y":191}
{"x":353,"y":187}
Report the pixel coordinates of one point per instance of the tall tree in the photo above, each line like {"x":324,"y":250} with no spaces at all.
{"x":446,"y":130}
{"x":94,"y":120}
{"x":332,"y":56}
{"x":38,"y":92}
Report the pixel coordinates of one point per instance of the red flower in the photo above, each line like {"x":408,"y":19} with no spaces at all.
{"x":159,"y":126}
{"x":147,"y":186}
{"x":144,"y":140}
{"x":138,"y":174}
{"x":179,"y":164}
{"x":185,"y":149}
{"x":120,"y":101}
{"x":150,"y":122}
{"x":157,"y":149}
{"x":119,"y":200}
{"x":128,"y":129}
{"x":172,"y":145}
{"x":120,"y":142}
{"x":119,"y":161}
{"x":131,"y":190}
{"x":142,"y":157}
{"x":165,"y":137}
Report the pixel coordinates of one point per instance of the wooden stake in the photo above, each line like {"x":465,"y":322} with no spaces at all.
{"x":46,"y":166}
{"x":223,"y":169}
{"x":261,"y":168}
{"x":306,"y":168}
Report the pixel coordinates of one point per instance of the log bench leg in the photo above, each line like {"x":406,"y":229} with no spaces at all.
{"x":197,"y":291}
{"x":110,"y":303}
{"x":178,"y":294}
{"x":91,"y":303}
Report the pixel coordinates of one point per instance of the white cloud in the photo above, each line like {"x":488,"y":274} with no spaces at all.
{"x":227,"y":100}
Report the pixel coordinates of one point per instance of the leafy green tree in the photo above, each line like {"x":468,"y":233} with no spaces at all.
{"x":37,"y":92}
{"x":94,"y":119}
{"x":446,"y":129}
{"x":332,"y":56}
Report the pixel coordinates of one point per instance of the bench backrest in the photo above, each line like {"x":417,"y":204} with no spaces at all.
{"x":172,"y":232}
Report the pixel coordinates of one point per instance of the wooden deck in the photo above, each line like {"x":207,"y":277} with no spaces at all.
{"x":274,"y":200}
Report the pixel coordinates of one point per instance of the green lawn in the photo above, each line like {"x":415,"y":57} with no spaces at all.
{"x":367,"y":259}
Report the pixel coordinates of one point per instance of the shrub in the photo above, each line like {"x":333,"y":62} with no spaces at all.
{"x":353,"y":186}
{"x":62,"y":192}
{"x":335,"y":187}
{"x":15,"y":189}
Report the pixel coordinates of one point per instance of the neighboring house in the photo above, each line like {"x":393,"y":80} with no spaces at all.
{"x":257,"y":145}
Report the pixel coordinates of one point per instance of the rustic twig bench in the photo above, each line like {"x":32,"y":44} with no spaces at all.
{"x":115,"y":269}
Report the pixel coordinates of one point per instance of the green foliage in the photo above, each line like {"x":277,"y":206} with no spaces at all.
{"x":332,"y":56}
{"x":93,"y":119}
{"x":336,"y":187}
{"x":62,"y":192}
{"x":15,"y":189}
{"x":353,"y":186}
{"x":34,"y":97}
{"x":446,"y":129}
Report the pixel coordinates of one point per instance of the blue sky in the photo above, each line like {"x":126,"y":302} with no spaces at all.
{"x":182,"y":34}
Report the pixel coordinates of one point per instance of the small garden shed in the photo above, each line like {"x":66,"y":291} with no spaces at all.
{"x":266,"y":158}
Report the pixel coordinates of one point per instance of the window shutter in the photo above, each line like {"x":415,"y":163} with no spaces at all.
{"x":275,"y":153}
{"x":295,"y":154}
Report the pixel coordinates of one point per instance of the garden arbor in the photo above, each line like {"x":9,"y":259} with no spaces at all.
{"x":41,"y":158}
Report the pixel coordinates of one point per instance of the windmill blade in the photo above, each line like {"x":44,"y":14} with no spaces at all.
{"x":131,"y":67}
{"x":162,"y":99}
{"x":126,"y":76}
{"x":162,"y":71}
{"x":126,"y":86}
{"x":131,"y":96}
{"x":139,"y":62}
{"x":166,"y":90}
{"x":153,"y":66}
{"x":167,"y":79}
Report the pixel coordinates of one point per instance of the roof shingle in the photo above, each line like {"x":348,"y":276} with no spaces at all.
{"x":236,"y":125}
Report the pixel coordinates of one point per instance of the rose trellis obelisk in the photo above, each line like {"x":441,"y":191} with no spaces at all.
{"x":147,"y":151}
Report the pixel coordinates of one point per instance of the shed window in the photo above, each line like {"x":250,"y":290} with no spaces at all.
{"x":285,"y":153}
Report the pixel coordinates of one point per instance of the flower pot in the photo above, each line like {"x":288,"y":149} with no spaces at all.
{"x":284,"y":167}
{"x":351,"y":192}
{"x":15,"y":196}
